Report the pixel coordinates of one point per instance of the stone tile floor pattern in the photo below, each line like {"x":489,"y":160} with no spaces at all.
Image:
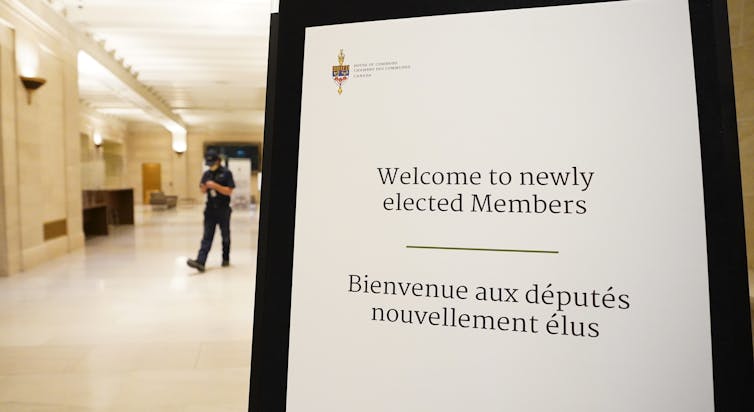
{"x":125,"y":325}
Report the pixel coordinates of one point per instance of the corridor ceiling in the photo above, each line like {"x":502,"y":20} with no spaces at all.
{"x":206,"y":59}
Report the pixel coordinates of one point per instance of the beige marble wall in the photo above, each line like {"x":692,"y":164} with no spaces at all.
{"x":40,"y":147}
{"x":72,"y":149}
{"x":103,"y":167}
{"x":151,"y":143}
{"x":10,"y":236}
{"x":41,"y":143}
{"x":741,"y":18}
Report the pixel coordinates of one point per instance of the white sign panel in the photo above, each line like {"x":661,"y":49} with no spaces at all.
{"x":241,"y":169}
{"x":501,"y":211}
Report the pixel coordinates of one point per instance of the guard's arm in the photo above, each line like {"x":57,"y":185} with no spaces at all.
{"x":223,"y":190}
{"x":203,"y":182}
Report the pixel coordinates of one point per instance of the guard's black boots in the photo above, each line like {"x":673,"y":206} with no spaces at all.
{"x":195,"y":264}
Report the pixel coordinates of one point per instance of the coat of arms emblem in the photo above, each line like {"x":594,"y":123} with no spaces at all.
{"x":340,"y":72}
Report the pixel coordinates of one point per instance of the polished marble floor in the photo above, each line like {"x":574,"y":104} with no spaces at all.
{"x":125,"y":325}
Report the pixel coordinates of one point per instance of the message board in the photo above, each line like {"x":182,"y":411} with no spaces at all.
{"x":501,"y":210}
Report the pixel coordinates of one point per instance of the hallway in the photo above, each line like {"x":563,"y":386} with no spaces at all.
{"x":125,"y":322}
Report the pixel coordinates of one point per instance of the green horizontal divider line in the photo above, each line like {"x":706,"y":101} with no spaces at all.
{"x":477,"y":249}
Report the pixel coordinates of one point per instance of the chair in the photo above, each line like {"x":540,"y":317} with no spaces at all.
{"x":160,"y":201}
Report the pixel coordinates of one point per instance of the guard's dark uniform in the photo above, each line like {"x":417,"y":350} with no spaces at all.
{"x":217,"y":212}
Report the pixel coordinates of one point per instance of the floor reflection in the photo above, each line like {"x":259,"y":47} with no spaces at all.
{"x":125,"y":325}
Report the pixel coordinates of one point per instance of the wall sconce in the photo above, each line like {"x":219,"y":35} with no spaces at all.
{"x":97,"y":139}
{"x":179,"y":141}
{"x":31,"y":84}
{"x":179,"y":148}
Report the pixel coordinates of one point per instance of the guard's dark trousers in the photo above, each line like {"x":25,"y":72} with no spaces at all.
{"x":215,"y":217}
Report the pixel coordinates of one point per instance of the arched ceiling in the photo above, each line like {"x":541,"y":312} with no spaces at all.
{"x":205,"y":58}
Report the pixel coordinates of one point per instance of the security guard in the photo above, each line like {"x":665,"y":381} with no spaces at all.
{"x":217,"y":183}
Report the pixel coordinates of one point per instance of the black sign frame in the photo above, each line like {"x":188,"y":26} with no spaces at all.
{"x":733,"y":367}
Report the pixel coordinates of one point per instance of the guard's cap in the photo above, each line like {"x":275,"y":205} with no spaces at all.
{"x":211,"y":157}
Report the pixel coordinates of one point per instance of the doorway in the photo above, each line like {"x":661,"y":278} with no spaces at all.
{"x":151,"y":179}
